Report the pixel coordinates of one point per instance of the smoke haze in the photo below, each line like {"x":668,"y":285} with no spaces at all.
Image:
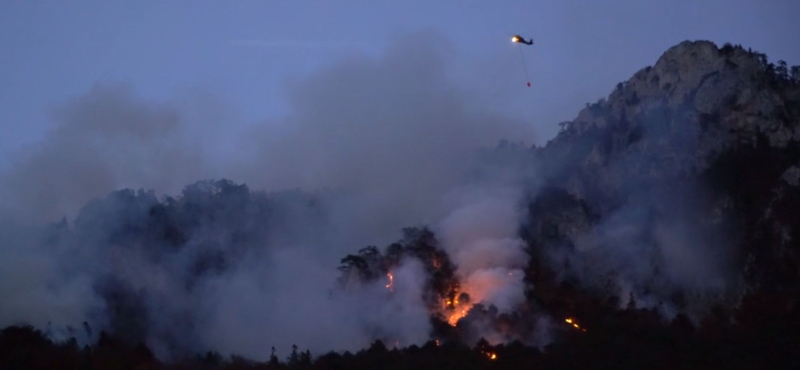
{"x":382,"y":141}
{"x":370,"y":145}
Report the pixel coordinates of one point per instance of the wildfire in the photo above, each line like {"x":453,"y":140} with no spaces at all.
{"x":390,"y":285}
{"x":454,"y":309}
{"x":457,"y":315}
{"x":491,"y":355}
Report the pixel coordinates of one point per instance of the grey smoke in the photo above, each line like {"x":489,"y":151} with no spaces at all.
{"x":382,"y":141}
{"x":658,"y":239}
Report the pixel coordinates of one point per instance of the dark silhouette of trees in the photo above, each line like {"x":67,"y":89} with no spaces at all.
{"x":764,"y":335}
{"x":795,"y":74}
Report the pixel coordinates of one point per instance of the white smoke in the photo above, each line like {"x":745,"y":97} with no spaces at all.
{"x":481,"y":235}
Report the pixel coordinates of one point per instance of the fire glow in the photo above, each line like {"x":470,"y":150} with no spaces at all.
{"x":390,"y":285}
{"x":454,"y":309}
{"x":456,"y":316}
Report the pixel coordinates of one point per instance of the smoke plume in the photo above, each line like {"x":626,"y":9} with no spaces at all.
{"x":375,"y":144}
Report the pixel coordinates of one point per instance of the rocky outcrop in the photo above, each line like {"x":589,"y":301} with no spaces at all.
{"x":706,"y":134}
{"x":674,"y":118}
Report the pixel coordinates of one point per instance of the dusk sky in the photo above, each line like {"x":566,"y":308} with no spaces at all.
{"x":242,"y":53}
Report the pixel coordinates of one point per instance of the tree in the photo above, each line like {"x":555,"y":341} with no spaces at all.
{"x":727,"y":49}
{"x":782,"y":71}
{"x":273,"y":359}
{"x":354,"y":266}
{"x":293,"y":358}
{"x":631,"y":302}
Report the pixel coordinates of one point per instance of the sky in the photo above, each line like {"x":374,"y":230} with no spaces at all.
{"x":241,"y":55}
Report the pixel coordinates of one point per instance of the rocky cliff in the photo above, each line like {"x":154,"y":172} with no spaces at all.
{"x":696,"y":158}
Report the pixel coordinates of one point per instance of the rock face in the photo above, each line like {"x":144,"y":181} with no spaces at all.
{"x":706,"y":140}
{"x":678,"y":116}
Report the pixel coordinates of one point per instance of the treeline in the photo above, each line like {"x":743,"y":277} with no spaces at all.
{"x":765,"y":336}
{"x":210,"y":228}
{"x":779,"y":73}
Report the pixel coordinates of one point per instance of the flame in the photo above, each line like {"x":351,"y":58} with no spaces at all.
{"x":493,"y":356}
{"x":478,"y":286}
{"x":457,"y":315}
{"x":390,"y":286}
{"x":453,"y":309}
{"x":515,"y":39}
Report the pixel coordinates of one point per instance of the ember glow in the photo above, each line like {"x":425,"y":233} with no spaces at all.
{"x":390,"y":285}
{"x":458,"y":314}
{"x":456,"y":308}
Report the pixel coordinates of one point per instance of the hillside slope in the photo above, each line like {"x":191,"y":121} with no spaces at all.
{"x":683,"y":181}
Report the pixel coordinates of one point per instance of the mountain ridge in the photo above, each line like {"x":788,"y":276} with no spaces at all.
{"x":706,"y":135}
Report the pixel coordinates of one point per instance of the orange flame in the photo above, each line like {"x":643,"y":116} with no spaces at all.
{"x":390,"y":286}
{"x":457,"y":315}
{"x":454,"y":310}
